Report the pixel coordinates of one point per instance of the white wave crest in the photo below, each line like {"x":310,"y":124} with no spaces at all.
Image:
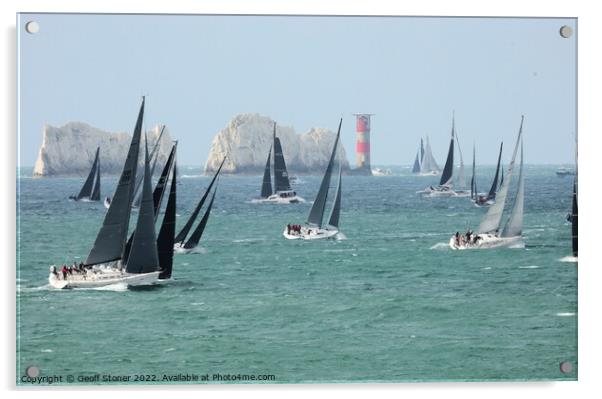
{"x":570,"y":259}
{"x":440,"y":246}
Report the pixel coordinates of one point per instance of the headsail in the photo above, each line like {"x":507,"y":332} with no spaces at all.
{"x":96,"y":190}
{"x":162,"y":183}
{"x":143,"y":256}
{"x":110,"y":241}
{"x":448,"y":169}
{"x":416,"y":167}
{"x":317,"y":210}
{"x":421,"y":151}
{"x":281,"y":182}
{"x":514,"y":226}
{"x":266,"y":186}
{"x":165,"y":241}
{"x":86,"y":191}
{"x":333,"y":220}
{"x":494,"y":185}
{"x":196,"y":235}
{"x":186,"y":229}
{"x":491,"y":220}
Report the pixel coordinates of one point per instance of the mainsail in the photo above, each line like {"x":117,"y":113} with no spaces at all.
{"x":196,"y":235}
{"x":416,"y":167}
{"x":281,"y":182}
{"x":266,"y":186}
{"x":333,"y":220}
{"x":514,"y":226}
{"x":87,"y":188}
{"x":110,"y":241}
{"x":143,"y":256}
{"x":494,"y":184}
{"x":317,"y":210}
{"x":165,"y":240}
{"x":491,"y":220}
{"x":154,"y":156}
{"x":186,"y":229}
{"x":448,"y":169}
{"x":473,"y":179}
{"x":429,"y":165}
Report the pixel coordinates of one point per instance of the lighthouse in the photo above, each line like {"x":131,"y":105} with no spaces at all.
{"x":362,"y":147}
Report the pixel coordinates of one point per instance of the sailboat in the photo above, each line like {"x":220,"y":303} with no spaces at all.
{"x":184,"y":243}
{"x":425,"y":164}
{"x":473,"y":179}
{"x":444,"y":189}
{"x":282,"y":192}
{"x":105,"y":264}
{"x":90,"y":191}
{"x":314,"y":228}
{"x":489,"y":198}
{"x":460,"y":189}
{"x":490,"y":233}
{"x":419,"y":158}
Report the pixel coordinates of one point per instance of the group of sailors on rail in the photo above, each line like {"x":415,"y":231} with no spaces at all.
{"x":294,"y":229}
{"x":467,"y":239}
{"x":69,"y":271}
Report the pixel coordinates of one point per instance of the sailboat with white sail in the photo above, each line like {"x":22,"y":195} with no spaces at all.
{"x":460,"y":185}
{"x":424,"y":163}
{"x":490,"y":233}
{"x":314,"y":228}
{"x":90,"y":191}
{"x":108,"y":263}
{"x":489,"y":198}
{"x":444,"y":189}
{"x":185,"y":243}
{"x":282,"y":193}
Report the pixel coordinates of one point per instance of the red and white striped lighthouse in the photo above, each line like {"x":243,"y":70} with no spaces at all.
{"x":362,"y":148}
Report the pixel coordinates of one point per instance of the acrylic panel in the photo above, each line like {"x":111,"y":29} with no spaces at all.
{"x":295,"y":199}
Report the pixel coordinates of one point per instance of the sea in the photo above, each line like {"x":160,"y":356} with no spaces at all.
{"x":388,"y":301}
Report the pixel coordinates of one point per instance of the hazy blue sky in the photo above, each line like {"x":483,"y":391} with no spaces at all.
{"x":200,"y":71}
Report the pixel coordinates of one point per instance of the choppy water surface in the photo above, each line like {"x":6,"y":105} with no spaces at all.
{"x":389,"y":303}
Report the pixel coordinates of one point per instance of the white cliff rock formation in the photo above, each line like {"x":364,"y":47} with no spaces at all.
{"x":247,"y":138}
{"x":69,"y":150}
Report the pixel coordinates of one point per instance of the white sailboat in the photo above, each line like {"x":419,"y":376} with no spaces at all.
{"x":282,"y":192}
{"x":314,"y":229}
{"x":111,"y":260}
{"x":425,"y":164}
{"x":490,"y":233}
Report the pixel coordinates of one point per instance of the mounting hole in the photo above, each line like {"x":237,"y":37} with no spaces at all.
{"x":566,"y":367}
{"x":32,"y":27}
{"x":566,"y":31}
{"x":32,"y":371}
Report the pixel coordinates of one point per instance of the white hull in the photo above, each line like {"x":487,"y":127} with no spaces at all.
{"x":308,"y":233}
{"x":102,"y":278}
{"x":439,"y":191}
{"x":276,"y":199}
{"x":486,"y":241}
{"x":433,"y":173}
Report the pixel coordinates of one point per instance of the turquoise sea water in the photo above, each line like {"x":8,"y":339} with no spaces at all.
{"x":390,"y":303}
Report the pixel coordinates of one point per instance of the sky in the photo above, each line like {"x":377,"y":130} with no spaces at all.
{"x":413,"y":73}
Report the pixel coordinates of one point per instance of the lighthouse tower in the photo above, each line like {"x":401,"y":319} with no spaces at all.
{"x":362,"y":148}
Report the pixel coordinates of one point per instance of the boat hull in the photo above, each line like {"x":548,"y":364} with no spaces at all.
{"x":307,"y":233}
{"x":276,"y":199}
{"x":102,"y":278}
{"x":487,"y":241}
{"x":440,"y":191}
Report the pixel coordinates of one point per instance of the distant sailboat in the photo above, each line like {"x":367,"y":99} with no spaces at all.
{"x":105,"y":264}
{"x":90,"y":191}
{"x":419,"y":157}
{"x":183,"y":243}
{"x":473,"y":179}
{"x":444,"y":189}
{"x":489,"y":199}
{"x":490,"y":233}
{"x":460,"y":189}
{"x":314,"y":228}
{"x":282,"y":192}
{"x":428,"y":165}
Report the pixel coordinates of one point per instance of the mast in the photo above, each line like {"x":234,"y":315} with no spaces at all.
{"x":473,"y":181}
{"x":186,"y":229}
{"x":494,"y":185}
{"x":196,"y":235}
{"x":281,"y":182}
{"x":333,"y":220}
{"x":514,"y":225}
{"x":266,"y":186}
{"x":143,"y":256}
{"x":448,"y":169}
{"x":491,"y":220}
{"x":110,"y":241}
{"x":96,"y":190}
{"x":317,"y":210}
{"x":165,"y":241}
{"x":86,"y":190}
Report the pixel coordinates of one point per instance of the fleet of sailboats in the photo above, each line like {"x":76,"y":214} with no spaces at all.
{"x":90,"y":191}
{"x":315,"y":228}
{"x":491,"y":233}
